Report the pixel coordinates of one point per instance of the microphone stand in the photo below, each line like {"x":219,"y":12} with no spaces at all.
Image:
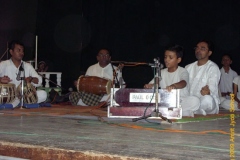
{"x":22,"y":78}
{"x":157,"y":78}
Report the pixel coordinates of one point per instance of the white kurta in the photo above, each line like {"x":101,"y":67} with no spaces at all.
{"x":226,"y":102}
{"x":169,"y":78}
{"x":8,"y":68}
{"x":106,"y":72}
{"x":225,"y":84}
{"x":200,"y":76}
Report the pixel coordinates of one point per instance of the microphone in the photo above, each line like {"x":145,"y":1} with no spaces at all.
{"x":19,"y":72}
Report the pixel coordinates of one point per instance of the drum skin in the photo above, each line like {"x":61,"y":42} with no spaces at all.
{"x":94,"y":85}
{"x":7,"y":93}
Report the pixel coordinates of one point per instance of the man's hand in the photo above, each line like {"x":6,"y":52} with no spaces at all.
{"x":31,"y":79}
{"x":5,"y":80}
{"x":205,"y":90}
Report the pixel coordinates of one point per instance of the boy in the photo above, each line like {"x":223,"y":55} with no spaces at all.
{"x":176,"y":77}
{"x":226,"y":104}
{"x":227,"y":76}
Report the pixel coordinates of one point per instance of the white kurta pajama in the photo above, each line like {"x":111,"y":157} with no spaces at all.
{"x":169,"y":78}
{"x":225,"y":84}
{"x":226,"y":103}
{"x":9,"y":69}
{"x":200,"y":76}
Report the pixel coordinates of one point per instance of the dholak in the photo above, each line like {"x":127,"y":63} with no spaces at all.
{"x":7,"y":93}
{"x":29,"y":92}
{"x":94,"y":85}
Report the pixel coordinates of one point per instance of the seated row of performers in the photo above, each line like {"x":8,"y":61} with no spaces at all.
{"x":198,"y":81}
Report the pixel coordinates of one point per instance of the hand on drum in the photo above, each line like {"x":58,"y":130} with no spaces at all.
{"x":31,"y":79}
{"x":5,"y":79}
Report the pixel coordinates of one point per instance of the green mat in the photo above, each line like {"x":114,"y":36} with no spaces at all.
{"x":204,"y":118}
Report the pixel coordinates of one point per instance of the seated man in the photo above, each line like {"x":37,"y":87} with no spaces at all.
{"x":10,"y":72}
{"x":204,"y":77}
{"x":103,"y":69}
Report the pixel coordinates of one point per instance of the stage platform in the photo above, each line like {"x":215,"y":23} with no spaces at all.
{"x":65,"y":132}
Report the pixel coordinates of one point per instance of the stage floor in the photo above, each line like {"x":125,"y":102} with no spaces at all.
{"x":70,"y":132}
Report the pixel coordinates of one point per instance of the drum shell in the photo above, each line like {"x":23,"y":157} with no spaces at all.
{"x":29,"y":92}
{"x":7,"y":93}
{"x":94,"y":85}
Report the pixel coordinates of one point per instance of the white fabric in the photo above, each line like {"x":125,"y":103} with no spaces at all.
{"x":225,"y":84}
{"x":168,"y":78}
{"x":188,"y":103}
{"x":106,"y":72}
{"x":226,"y":102}
{"x":8,"y":68}
{"x":236,"y":81}
{"x":200,"y":76}
{"x":103,"y":72}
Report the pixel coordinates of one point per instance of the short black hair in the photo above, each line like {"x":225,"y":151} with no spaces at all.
{"x":177,"y":49}
{"x":109,"y":52}
{"x":13,"y":43}
{"x":209,"y":43}
{"x":228,"y":55}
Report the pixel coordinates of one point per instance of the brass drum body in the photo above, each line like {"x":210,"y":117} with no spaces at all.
{"x":94,"y":85}
{"x":29,"y":92}
{"x":7,"y":93}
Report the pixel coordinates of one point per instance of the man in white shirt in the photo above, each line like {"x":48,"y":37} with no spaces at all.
{"x":103,"y":69}
{"x":204,"y":76}
{"x":9,"y":72}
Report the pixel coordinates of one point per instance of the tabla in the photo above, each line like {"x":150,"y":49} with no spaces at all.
{"x":29,"y":93}
{"x":7,"y":93}
{"x":94,"y":85}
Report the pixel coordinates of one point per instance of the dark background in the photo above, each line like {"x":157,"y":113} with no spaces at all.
{"x":70,"y":32}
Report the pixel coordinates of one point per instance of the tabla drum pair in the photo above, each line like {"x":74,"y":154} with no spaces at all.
{"x":94,"y":85}
{"x":8,"y":92}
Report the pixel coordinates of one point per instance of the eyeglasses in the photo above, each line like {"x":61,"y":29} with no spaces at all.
{"x":104,"y":55}
{"x":200,"y":48}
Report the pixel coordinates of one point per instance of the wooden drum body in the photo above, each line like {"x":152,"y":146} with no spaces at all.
{"x":94,"y":85}
{"x":7,"y":93}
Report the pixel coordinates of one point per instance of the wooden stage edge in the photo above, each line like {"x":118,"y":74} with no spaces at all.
{"x":34,"y":152}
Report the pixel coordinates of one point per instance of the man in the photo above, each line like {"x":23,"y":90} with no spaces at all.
{"x":10,"y":72}
{"x":103,"y":69}
{"x":204,"y":76}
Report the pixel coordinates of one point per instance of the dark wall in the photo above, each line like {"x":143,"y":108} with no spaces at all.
{"x":18,"y":22}
{"x":70,"y":32}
